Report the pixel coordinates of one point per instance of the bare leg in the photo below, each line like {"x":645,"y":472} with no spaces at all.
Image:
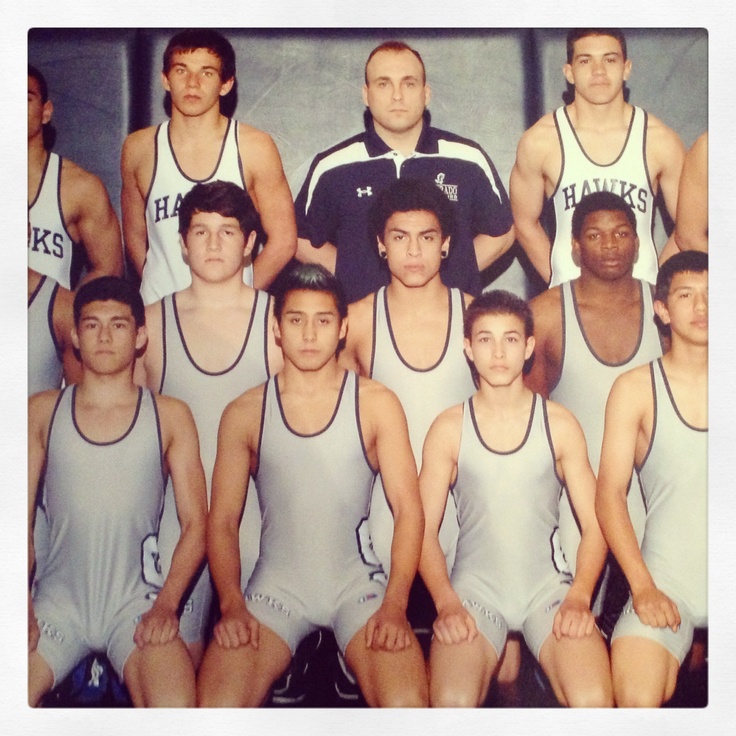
{"x":241,"y":677}
{"x":196,"y":652}
{"x":160,"y":676}
{"x":40,"y":678}
{"x":644,"y":672}
{"x":578,"y":670}
{"x":460,"y":674}
{"x":389,"y":679}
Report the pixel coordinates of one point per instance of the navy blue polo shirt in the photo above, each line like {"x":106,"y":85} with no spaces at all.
{"x":342,"y":183}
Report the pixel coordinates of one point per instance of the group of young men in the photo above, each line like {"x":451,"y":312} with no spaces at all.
{"x":303,"y":458}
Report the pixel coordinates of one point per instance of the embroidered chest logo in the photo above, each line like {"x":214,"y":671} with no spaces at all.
{"x":449,"y":189}
{"x":368,"y":191}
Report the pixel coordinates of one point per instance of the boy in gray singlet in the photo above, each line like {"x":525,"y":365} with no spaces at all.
{"x":657,"y":423}
{"x":506,"y":454}
{"x":313,"y":438}
{"x":101,"y":451}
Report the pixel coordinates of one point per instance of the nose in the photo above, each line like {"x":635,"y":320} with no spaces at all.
{"x":105,"y":333}
{"x":309,"y":332}
{"x":609,"y":241}
{"x":192,"y":79}
{"x":412,"y":247}
{"x":213,"y":243}
{"x":701,"y":303}
{"x":396,"y":92}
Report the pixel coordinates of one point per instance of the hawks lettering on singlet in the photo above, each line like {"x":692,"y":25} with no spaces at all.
{"x":53,"y":246}
{"x":162,"y":207}
{"x":636,"y":197}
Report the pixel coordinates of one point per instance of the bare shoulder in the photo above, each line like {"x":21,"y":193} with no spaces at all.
{"x":377,"y":400}
{"x":78,"y":182}
{"x":561,"y":419}
{"x":247,"y":403}
{"x":139,"y":147}
{"x":661,"y":137}
{"x":450,"y":420}
{"x":546,"y":309}
{"x":540,"y":137}
{"x":40,"y":409}
{"x":360,"y":313}
{"x":174,"y":413}
{"x":254,"y":143}
{"x":634,"y":383}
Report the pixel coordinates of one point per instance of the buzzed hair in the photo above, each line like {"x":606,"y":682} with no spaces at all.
{"x":202,"y":38}
{"x":597,"y":202}
{"x":498,"y":301}
{"x":575,"y":34}
{"x":308,"y":277}
{"x":395,"y":46}
{"x":410,"y":195}
{"x":110,"y":289}
{"x":223,"y":197}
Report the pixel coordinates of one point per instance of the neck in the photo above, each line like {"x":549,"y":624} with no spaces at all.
{"x":218,"y":295}
{"x":405,"y":142}
{"x":590,"y":286}
{"x":503,"y":398}
{"x":687,"y":358}
{"x":299,"y":381}
{"x":612,"y":114}
{"x":188,"y":125}
{"x":433,"y":292}
{"x":107,"y":390}
{"x":36,"y":152}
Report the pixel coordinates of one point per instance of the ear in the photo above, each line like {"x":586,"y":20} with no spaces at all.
{"x":660,"y":309}
{"x":576,"y":252}
{"x":75,"y":337}
{"x":427,"y":94}
{"x":225,"y":87}
{"x":165,"y":82}
{"x":446,"y":244}
{"x":48,"y":111}
{"x":184,"y":251}
{"x":365,"y":94}
{"x":277,"y":331}
{"x":343,"y":328}
{"x":530,"y":344}
{"x":141,"y":337}
{"x":567,"y":71}
{"x":468,"y":350}
{"x":249,"y":244}
{"x":636,"y":250}
{"x":627,"y":69}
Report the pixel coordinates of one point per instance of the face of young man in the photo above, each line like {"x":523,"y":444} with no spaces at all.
{"x":686,"y":310}
{"x":598,"y":69}
{"x":608,"y":246}
{"x":413,"y":245}
{"x":310,"y":329}
{"x":194,"y":82}
{"x":215,"y":247}
{"x":498,"y":348}
{"x":395,"y":93}
{"x":107,"y":337}
{"x":39,"y":113}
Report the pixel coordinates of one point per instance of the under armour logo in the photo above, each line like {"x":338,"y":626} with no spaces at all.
{"x":367,"y":191}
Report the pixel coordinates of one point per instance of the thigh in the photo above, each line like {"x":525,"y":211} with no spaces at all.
{"x":40,"y":678}
{"x":243,"y":676}
{"x":460,"y":674}
{"x":160,"y":675}
{"x":644,"y":672}
{"x":389,"y":679}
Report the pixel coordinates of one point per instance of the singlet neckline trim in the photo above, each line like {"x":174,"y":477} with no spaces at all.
{"x":393,"y":337}
{"x":583,"y":334}
{"x":41,"y":180}
{"x":584,"y":152}
{"x":110,"y":442}
{"x":219,"y":157}
{"x":674,"y":403}
{"x":190,"y":357}
{"x":523,"y":442}
{"x":332,"y":418}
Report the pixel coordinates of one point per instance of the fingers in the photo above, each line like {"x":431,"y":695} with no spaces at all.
{"x":388,"y":635}
{"x":156,"y":630}
{"x":455,"y":627}
{"x":231,"y":633}
{"x":573,"y":622}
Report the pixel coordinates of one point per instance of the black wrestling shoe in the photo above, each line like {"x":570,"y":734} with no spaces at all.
{"x":291,"y":687}
{"x":346,"y":686}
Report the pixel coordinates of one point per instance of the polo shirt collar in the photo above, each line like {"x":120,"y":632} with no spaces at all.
{"x":376,"y":146}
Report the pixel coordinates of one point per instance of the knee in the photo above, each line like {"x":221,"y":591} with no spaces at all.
{"x":638,"y":695}
{"x":593,"y":695}
{"x":408,"y":697}
{"x":450,"y":695}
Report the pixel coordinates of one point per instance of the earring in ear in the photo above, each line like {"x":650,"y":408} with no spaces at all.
{"x":382,"y":254}
{"x":444,"y":254}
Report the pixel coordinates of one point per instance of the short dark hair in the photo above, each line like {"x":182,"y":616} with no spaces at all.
{"x":410,"y":195}
{"x":223,"y":197}
{"x":43,"y":87}
{"x":395,"y":46}
{"x":498,"y":302}
{"x":692,"y":261}
{"x":307,"y":277}
{"x":575,"y":34}
{"x":597,"y":202}
{"x":110,"y":288}
{"x":202,"y":38}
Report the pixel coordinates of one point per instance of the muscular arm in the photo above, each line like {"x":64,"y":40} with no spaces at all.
{"x":133,"y":203}
{"x":270,"y":193}
{"x":181,"y":450}
{"x":527,"y":192}
{"x":624,"y":431}
{"x":545,"y":370}
{"x":691,"y":230}
{"x":383,"y":417}
{"x":439,"y":470}
{"x":236,"y":446}
{"x":574,"y":617}
{"x":325,"y":255}
{"x":95,"y":221}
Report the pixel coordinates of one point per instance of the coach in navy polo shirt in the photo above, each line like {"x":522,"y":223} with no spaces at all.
{"x":332,"y":206}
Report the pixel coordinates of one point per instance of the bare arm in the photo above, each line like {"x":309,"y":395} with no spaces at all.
{"x":181,"y":449}
{"x":439,"y":471}
{"x":274,"y":356}
{"x":95,"y":222}
{"x":545,"y":370}
{"x":132,"y":197}
{"x":691,"y":230}
{"x":358,"y":343}
{"x":488,"y":248}
{"x":236,"y":447}
{"x":270,"y":192}
{"x":388,"y":441}
{"x":574,"y":617}
{"x":527,"y":192}
{"x":626,"y":413}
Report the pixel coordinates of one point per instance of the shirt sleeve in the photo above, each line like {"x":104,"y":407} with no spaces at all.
{"x":316,"y":209}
